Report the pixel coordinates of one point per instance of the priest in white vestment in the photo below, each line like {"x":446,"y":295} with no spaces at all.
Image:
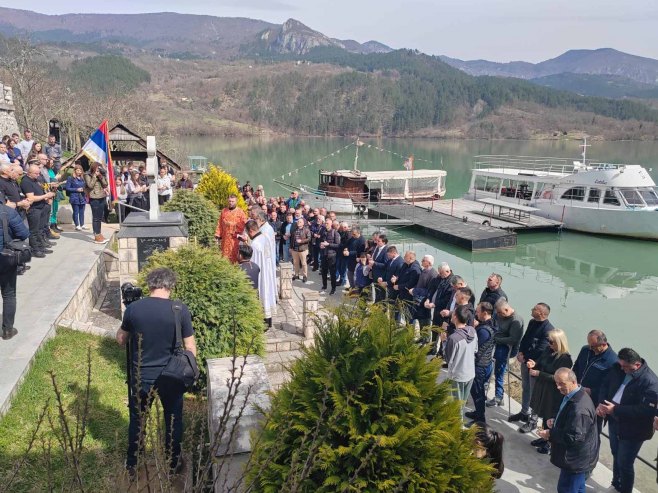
{"x":265,"y":257}
{"x":267,"y":230}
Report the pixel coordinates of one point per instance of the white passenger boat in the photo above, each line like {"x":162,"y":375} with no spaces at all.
{"x":349,"y":191}
{"x":601,"y":198}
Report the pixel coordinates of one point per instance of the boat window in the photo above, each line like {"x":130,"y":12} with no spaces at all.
{"x":340,"y":181}
{"x":575,"y":193}
{"x":487,"y":183}
{"x":326,"y":179}
{"x":610,"y":198}
{"x":594,"y":195}
{"x":518,"y":189}
{"x":632,"y":197}
{"x":649,"y":196}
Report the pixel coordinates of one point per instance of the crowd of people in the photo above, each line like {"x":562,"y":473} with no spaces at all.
{"x":574,"y":398}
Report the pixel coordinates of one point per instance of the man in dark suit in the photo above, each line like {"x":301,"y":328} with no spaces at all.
{"x":378,"y":266}
{"x":392,"y":271}
{"x":402,"y":283}
{"x":572,"y":434}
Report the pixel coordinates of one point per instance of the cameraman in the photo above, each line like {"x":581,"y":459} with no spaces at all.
{"x":149,"y":328}
{"x":16,"y":230}
{"x":96,"y":183}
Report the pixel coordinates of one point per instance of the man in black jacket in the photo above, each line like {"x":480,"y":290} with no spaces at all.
{"x":378,"y":266}
{"x":629,"y":398}
{"x":572,"y":434}
{"x":493,"y":292}
{"x":16,"y":230}
{"x":329,"y":245}
{"x":485,"y":331}
{"x":406,"y":279}
{"x":533,"y":343}
{"x":393,"y":266}
{"x":593,"y":363}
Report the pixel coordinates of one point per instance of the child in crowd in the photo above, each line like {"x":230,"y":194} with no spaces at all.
{"x":489,"y":444}
{"x":361,"y":278}
{"x":251,"y":269}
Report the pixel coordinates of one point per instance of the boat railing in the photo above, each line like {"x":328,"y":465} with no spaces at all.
{"x":540,"y":165}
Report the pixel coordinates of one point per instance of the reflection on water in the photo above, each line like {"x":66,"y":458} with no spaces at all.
{"x":589,"y":281}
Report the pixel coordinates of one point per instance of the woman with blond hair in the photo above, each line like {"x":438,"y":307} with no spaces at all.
{"x":546,"y":398}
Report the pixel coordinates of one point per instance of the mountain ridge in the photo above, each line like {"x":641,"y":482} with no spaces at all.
{"x":601,"y":61}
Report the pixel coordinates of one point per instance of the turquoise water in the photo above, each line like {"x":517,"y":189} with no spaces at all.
{"x":589,"y":282}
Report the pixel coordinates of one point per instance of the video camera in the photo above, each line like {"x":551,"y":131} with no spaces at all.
{"x":130,"y":293}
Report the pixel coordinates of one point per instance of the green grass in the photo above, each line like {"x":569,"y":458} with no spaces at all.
{"x":104,"y":445}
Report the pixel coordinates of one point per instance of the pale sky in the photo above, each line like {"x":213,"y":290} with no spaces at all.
{"x":497,"y":30}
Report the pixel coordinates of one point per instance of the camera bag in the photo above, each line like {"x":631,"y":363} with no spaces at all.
{"x":15,"y":252}
{"x":182,"y":368}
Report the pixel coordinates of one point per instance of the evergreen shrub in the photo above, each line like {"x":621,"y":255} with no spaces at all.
{"x":363,"y":412}
{"x":201,"y":215}
{"x":216,"y":185}
{"x":221,"y":299}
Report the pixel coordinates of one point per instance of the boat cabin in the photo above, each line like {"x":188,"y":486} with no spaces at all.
{"x":350,"y":185}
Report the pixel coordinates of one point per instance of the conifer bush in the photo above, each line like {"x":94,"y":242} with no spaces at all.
{"x":216,"y":185}
{"x":363,"y":412}
{"x":221,"y":299}
{"x":201,"y":215}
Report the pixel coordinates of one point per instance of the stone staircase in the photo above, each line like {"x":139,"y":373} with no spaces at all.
{"x":285,"y":340}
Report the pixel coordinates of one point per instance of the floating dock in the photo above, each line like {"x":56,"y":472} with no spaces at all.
{"x":464,"y":227}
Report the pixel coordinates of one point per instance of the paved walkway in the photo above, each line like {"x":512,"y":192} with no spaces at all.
{"x":43,"y":293}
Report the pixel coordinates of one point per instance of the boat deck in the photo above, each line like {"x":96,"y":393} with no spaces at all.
{"x":466,"y":234}
{"x":479,"y":212}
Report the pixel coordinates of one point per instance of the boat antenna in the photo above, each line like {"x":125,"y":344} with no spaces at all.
{"x":585,"y":145}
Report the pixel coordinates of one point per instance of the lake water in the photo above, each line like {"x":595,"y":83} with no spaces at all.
{"x":589,"y":282}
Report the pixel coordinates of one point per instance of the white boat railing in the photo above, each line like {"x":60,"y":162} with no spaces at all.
{"x":544,"y":165}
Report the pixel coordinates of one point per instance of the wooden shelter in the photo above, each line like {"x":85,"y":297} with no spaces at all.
{"x":123,"y":142}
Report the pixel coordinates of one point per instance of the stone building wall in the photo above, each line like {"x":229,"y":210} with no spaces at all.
{"x":8,"y":124}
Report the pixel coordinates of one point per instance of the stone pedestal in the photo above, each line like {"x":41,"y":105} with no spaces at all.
{"x":311,"y":299}
{"x":139,"y":237}
{"x":230,"y":436}
{"x":285,"y":281}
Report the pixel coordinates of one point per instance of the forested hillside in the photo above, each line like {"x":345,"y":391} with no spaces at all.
{"x":399,"y":93}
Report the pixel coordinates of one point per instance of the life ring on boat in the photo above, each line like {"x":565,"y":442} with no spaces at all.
{"x":486,"y":223}
{"x":548,"y":194}
{"x":361,"y":208}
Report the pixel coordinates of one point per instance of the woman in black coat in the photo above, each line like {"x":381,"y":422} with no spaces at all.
{"x":546,"y":398}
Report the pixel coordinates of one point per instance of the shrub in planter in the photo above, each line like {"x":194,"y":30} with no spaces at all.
{"x":220,"y":298}
{"x":216,"y":185}
{"x":201,"y":215}
{"x":363,"y":412}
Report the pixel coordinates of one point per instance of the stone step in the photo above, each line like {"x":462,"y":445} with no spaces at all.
{"x":280,"y":361}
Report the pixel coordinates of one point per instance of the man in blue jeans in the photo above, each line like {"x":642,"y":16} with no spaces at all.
{"x":628,"y":401}
{"x":507,"y":338}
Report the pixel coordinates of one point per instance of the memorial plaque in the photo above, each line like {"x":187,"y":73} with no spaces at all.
{"x":147,"y":247}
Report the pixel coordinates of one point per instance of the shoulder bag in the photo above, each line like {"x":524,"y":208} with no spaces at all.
{"x":181,"y":369}
{"x":15,"y":252}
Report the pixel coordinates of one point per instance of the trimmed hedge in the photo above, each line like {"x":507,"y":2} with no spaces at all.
{"x":220,"y":297}
{"x":201,"y":215}
{"x":363,"y":412}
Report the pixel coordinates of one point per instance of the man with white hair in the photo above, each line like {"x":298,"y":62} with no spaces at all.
{"x":438,"y":297}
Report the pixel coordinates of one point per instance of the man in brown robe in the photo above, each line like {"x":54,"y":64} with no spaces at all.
{"x":230,"y":227}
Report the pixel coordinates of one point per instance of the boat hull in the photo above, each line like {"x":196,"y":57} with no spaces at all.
{"x":628,"y":223}
{"x":623,"y":222}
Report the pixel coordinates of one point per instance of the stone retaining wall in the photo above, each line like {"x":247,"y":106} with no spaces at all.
{"x":88,"y":292}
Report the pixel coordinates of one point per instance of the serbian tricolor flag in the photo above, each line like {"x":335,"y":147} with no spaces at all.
{"x":97,"y":149}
